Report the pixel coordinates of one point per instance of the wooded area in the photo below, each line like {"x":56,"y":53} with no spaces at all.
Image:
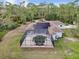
{"x":13,"y":15}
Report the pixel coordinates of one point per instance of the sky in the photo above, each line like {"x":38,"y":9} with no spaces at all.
{"x":56,"y":2}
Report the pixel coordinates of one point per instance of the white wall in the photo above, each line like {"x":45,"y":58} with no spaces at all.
{"x":57,"y":35}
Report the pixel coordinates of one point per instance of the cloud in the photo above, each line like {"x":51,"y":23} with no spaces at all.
{"x":11,"y":1}
{"x":18,"y":1}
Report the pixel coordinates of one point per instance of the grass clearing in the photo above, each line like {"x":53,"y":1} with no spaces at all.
{"x":2,"y":33}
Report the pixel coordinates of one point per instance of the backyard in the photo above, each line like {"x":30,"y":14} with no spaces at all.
{"x":14,"y":18}
{"x":10,"y":48}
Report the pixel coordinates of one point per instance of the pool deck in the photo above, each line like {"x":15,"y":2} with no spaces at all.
{"x":29,"y":43}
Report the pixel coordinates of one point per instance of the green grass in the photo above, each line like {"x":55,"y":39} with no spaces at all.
{"x":2,"y":34}
{"x":65,"y":46}
{"x":74,"y":47}
{"x":59,"y":43}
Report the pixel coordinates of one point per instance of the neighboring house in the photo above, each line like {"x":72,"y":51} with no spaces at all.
{"x":50,"y":29}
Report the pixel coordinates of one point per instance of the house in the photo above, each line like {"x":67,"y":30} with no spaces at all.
{"x":56,"y":23}
{"x":50,"y":29}
{"x":55,"y":29}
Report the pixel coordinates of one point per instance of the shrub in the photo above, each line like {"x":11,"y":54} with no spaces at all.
{"x":3,"y":27}
{"x":12,"y":26}
{"x":51,"y":17}
{"x":39,"y":40}
{"x":9,"y":26}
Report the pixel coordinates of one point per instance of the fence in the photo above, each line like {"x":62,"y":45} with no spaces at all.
{"x":23,"y":37}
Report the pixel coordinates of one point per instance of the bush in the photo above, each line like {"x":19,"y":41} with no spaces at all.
{"x":39,"y":40}
{"x":9,"y":26}
{"x":52,"y":17}
{"x":3,"y":27}
{"x":12,"y":26}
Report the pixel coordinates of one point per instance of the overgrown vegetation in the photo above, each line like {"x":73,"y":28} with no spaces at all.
{"x":20,"y":14}
{"x":12,"y":15}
